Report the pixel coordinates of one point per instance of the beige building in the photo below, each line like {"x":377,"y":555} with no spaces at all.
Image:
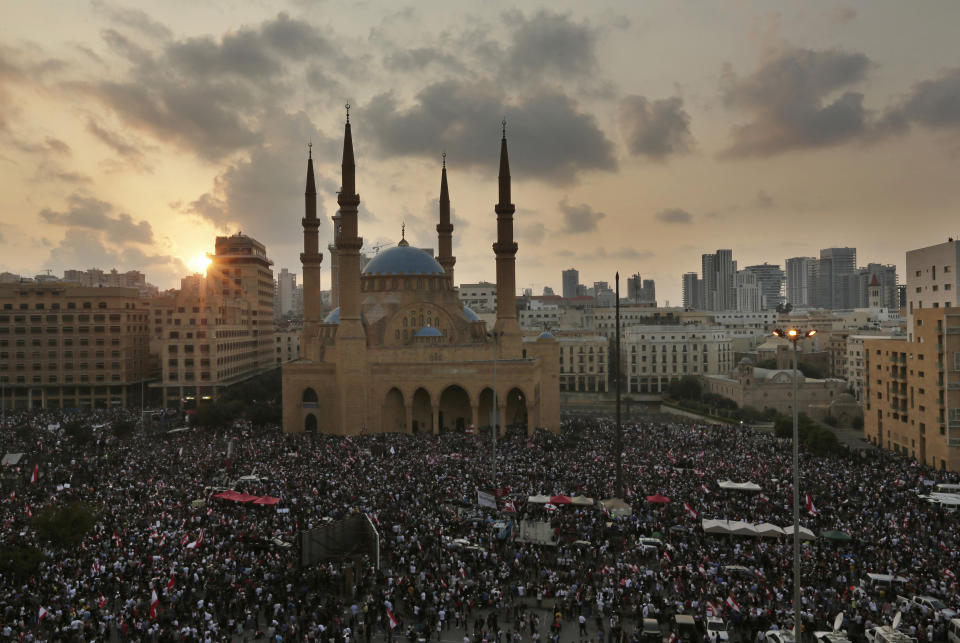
{"x":288,"y":343}
{"x":763,"y":388}
{"x":932,"y":278}
{"x":68,"y":346}
{"x":401,"y":352}
{"x":480,"y":297}
{"x":584,"y":364}
{"x":218,"y":329}
{"x":856,"y":362}
{"x":656,"y":355}
{"x":912,"y":385}
{"x":912,"y":390}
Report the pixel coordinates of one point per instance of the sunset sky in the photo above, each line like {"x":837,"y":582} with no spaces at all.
{"x":641,"y":134}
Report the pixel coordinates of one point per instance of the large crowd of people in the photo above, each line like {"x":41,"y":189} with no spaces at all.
{"x":165,"y":560}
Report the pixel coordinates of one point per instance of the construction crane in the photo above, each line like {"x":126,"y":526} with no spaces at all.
{"x":376,"y":248}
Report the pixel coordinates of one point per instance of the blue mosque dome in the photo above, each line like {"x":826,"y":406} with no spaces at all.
{"x":428,"y":331}
{"x":403,"y":260}
{"x":546,"y":335}
{"x":333,"y":317}
{"x":470,"y":315}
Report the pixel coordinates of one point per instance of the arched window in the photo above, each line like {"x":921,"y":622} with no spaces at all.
{"x":309,"y":398}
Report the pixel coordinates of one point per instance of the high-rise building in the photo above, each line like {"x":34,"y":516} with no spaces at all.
{"x":634,"y":287}
{"x":240,"y":269}
{"x":834,"y":269}
{"x":719,"y":271}
{"x":770,"y":280}
{"x":96,"y":278}
{"x":911,"y":396}
{"x":571,"y":279}
{"x":286,"y":286}
{"x":648,"y":294}
{"x":801,"y":281}
{"x":692,"y":292}
{"x":69,"y":346}
{"x":932,"y":280}
{"x":749,"y":295}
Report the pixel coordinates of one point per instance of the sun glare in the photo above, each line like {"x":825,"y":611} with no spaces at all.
{"x":199,"y":263}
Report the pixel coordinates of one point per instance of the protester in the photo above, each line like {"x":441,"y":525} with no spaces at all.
{"x":220,"y":569}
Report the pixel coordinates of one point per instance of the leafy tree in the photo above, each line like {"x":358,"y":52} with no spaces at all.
{"x":831,"y":421}
{"x":770,"y":363}
{"x":64,"y":525}
{"x":857,"y":422}
{"x":687,"y":387}
{"x":78,"y":431}
{"x":19,"y":561}
{"x":123,"y":428}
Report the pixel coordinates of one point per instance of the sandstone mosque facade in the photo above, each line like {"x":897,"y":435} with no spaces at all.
{"x":401,"y":353}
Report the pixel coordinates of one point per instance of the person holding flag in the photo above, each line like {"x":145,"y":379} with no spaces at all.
{"x":154,"y":604}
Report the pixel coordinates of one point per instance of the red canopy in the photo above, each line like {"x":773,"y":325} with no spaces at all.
{"x":560,"y":500}
{"x":266,"y":500}
{"x":658,"y":499}
{"x":235,"y":496}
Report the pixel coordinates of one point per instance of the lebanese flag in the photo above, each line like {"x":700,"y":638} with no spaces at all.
{"x":690,"y":511}
{"x":35,"y":476}
{"x":154,"y":603}
{"x":171,"y":582}
{"x":810,"y":508}
{"x":42,"y":614}
{"x":184,"y":539}
{"x":733,"y":604}
{"x":196,"y":543}
{"x":29,"y":513}
{"x":666,"y":556}
{"x":392,"y":619}
{"x":712,"y":609}
{"x":705,"y":488}
{"x":101,"y":601}
{"x":702,"y":569}
{"x":949,"y":574}
{"x":673,"y":638}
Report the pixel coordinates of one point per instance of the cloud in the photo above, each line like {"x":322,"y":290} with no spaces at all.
{"x":130,"y":150}
{"x":92,"y":214}
{"x":791,"y":100}
{"x":674,"y":215}
{"x":549,"y":44}
{"x":49,"y":171}
{"x":549,"y":138}
{"x":264,"y":190}
{"x":579,"y":218}
{"x":212,"y":96}
{"x":841,"y":14}
{"x":632,"y":254}
{"x":655,"y":130}
{"x":763,"y":200}
{"x":417,"y":59}
{"x":83,"y":248}
{"x":135,"y":19}
{"x":935,"y":103}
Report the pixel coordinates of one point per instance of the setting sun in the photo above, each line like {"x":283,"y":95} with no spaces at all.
{"x":199,"y":263}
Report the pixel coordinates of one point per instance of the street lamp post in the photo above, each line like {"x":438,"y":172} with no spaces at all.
{"x":794,"y":335}
{"x":618,"y":442}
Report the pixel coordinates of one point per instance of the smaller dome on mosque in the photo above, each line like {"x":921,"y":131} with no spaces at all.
{"x":428,"y":331}
{"x":545,"y":335}
{"x":333,"y":317}
{"x":470,"y":315}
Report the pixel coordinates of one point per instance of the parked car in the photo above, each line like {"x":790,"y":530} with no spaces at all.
{"x":717,"y":629}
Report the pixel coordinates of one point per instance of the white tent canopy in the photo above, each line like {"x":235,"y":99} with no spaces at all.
{"x":738,"y":486}
{"x":538,"y":499}
{"x":743,"y":528}
{"x":582,"y":500}
{"x":11,"y":459}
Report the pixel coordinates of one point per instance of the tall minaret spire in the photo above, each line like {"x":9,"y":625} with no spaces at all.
{"x":505,"y":250}
{"x":311,"y":257}
{"x":445,"y":229}
{"x":349,"y":242}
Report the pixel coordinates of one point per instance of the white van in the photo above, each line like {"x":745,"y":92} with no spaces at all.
{"x":953,"y":631}
{"x":886,"y":634}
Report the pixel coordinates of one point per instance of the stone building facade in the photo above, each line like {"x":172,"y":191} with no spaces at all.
{"x":402,"y":353}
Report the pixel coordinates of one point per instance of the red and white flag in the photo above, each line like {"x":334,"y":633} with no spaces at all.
{"x":184,"y":539}
{"x":712,"y":609}
{"x":154,"y":603}
{"x":810,"y":508}
{"x":36,"y":473}
{"x":509,"y":507}
{"x":690,"y":511}
{"x":949,"y":574}
{"x":705,"y":488}
{"x":101,"y":601}
{"x":43,"y":613}
{"x":29,"y":513}
{"x":666,"y":556}
{"x":171,"y":582}
{"x":673,"y":638}
{"x":763,"y":498}
{"x":196,"y":543}
{"x":392,"y":619}
{"x":733,"y":604}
